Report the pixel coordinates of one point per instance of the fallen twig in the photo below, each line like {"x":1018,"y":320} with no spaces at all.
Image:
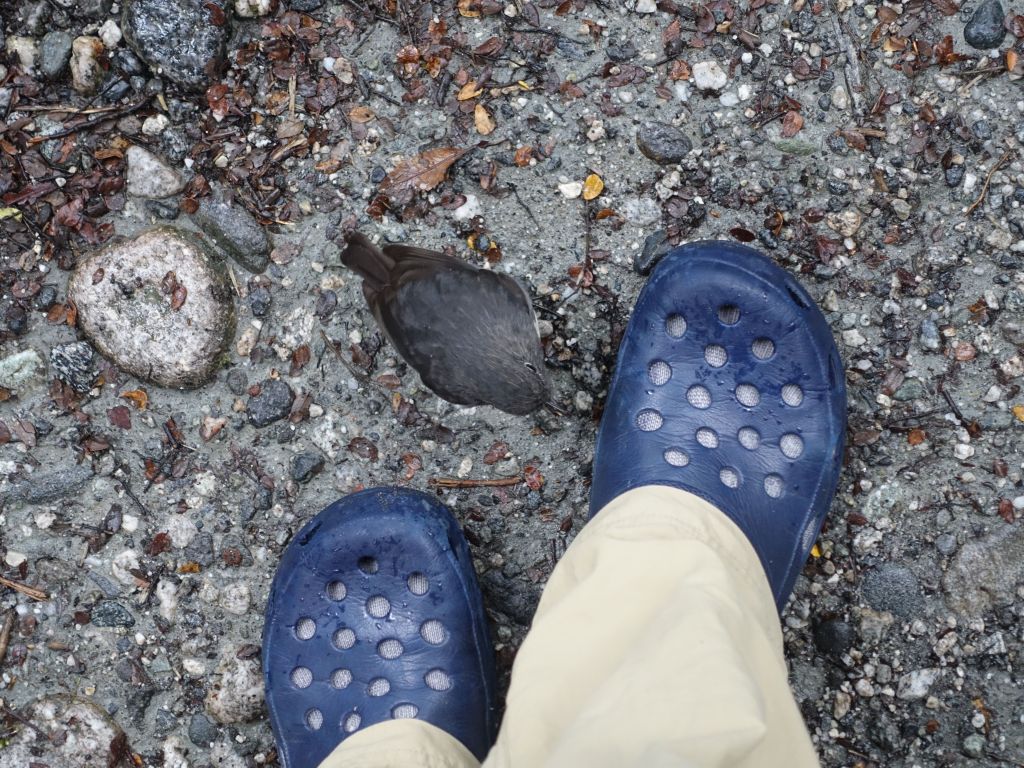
{"x":456,"y":482}
{"x":5,"y":634}
{"x":127,"y":110}
{"x":988,"y":180}
{"x":17,"y":586}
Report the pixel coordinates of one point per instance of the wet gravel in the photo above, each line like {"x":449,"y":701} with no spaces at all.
{"x":852,"y":142}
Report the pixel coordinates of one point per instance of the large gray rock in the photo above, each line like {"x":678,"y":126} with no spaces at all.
{"x":985,"y":573}
{"x":158,"y":305}
{"x":177,"y":37}
{"x":235,"y":230}
{"x":89,"y":737}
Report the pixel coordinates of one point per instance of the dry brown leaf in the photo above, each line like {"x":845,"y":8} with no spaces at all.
{"x":916,"y":436}
{"x":522,"y":156}
{"x":137,"y":397}
{"x":680,"y":70}
{"x":792,"y":123}
{"x":592,"y":186}
{"x":469,"y":9}
{"x":421,"y":172}
{"x":483,"y":121}
{"x":469,"y":91}
{"x":361,"y":115}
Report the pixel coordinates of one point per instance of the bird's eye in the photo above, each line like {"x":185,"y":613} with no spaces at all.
{"x":531,"y":367}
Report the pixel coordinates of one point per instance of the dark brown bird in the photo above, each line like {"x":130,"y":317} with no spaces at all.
{"x":470,"y":333}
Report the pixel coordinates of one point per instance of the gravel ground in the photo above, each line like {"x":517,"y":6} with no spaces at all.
{"x":867,"y":148}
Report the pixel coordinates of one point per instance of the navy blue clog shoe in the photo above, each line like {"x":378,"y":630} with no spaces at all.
{"x":375,"y":614}
{"x":729,"y":385}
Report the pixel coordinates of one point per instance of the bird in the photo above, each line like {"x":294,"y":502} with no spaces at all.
{"x":470,"y":333}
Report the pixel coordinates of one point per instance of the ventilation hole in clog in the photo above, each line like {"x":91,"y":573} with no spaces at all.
{"x":368,"y":565}
{"x":438,"y":680}
{"x":344,"y":639}
{"x":301,"y":677}
{"x":378,"y":606}
{"x":351,"y":722}
{"x":792,"y":445}
{"x":729,"y":314}
{"x":792,"y":395}
{"x":715,"y":355}
{"x":649,"y":420}
{"x":675,"y":326}
{"x":659,"y":372}
{"x":748,"y":395}
{"x":405,"y":712}
{"x":763,"y":348}
{"x":314,"y":719}
{"x":773,"y":486}
{"x":379,"y":686}
{"x":390,"y":648}
{"x":730,"y":477}
{"x":337,"y":591}
{"x":433,"y":632}
{"x":707,"y":437}
{"x":749,"y":438}
{"x":341,"y":678}
{"x":305,"y":628}
{"x":676,"y":457}
{"x":418,"y":583}
{"x":698,"y":396}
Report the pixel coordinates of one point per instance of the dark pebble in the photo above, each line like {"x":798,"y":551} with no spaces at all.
{"x":72,"y":364}
{"x":237,"y":381}
{"x":304,"y":5}
{"x":834,"y":637}
{"x":954,"y":175}
{"x":234,"y":230}
{"x":17,"y":320}
{"x":623,"y":52}
{"x":259,"y":301}
{"x":377,"y":174}
{"x":200,"y":550}
{"x":893,"y":588}
{"x":985,"y":30}
{"x":202,"y":731}
{"x":272,"y":403}
{"x":655,"y":246}
{"x":165,"y":211}
{"x":305,"y":466}
{"x":825,"y":102}
{"x":982,"y":130}
{"x":54,"y":54}
{"x":662,"y":143}
{"x":110,"y":614}
{"x":46,"y":298}
{"x":837,"y":187}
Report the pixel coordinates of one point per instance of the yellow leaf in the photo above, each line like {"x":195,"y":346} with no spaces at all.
{"x":467,"y":8}
{"x":1018,"y":411}
{"x":6,"y":213}
{"x":592,"y":186}
{"x":137,"y":397}
{"x":469,"y":91}
{"x":524,"y":85}
{"x":815,"y":551}
{"x":483,"y":120}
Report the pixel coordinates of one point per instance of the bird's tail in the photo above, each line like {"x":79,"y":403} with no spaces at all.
{"x":368,"y":261}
